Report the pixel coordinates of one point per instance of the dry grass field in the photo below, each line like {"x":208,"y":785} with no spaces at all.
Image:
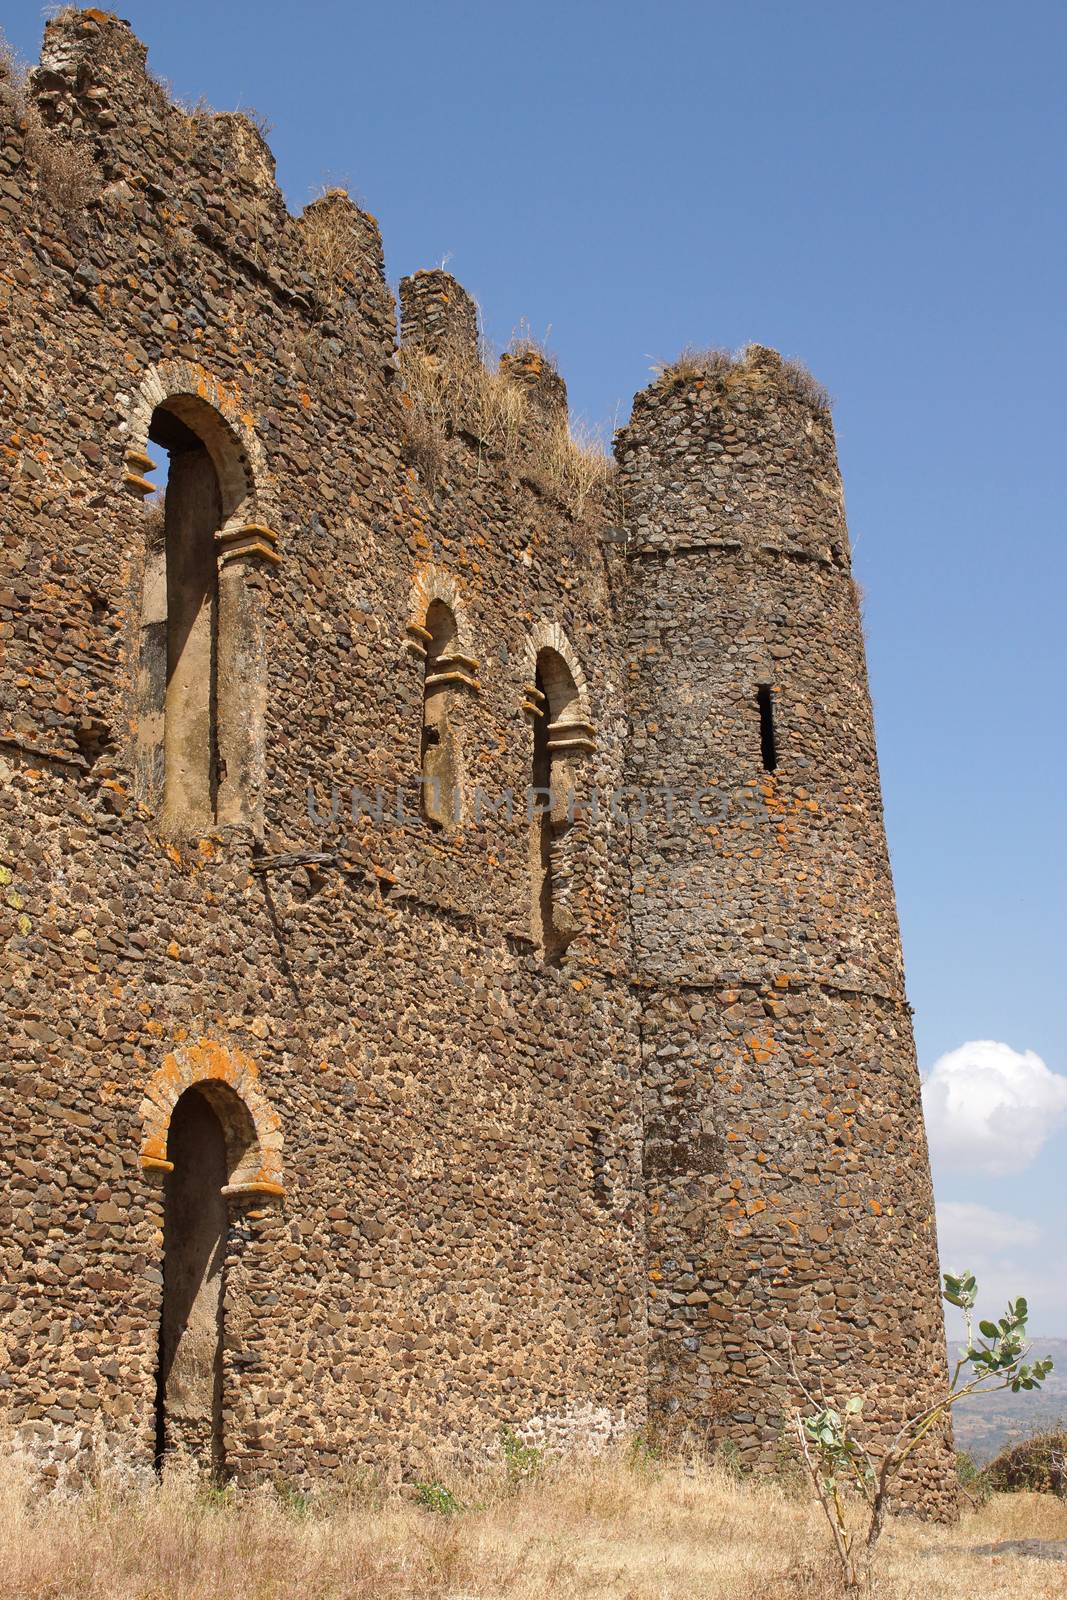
{"x":593,"y":1528}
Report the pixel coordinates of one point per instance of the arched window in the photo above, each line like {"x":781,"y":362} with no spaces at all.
{"x":449,"y":672}
{"x":560,"y":737}
{"x":201,"y":695}
{"x":185,"y":630}
{"x":439,"y":754}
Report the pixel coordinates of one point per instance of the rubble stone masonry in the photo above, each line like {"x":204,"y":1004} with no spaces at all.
{"x":333,"y":1130}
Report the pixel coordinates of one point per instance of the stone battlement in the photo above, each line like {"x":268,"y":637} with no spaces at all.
{"x":449,"y":957}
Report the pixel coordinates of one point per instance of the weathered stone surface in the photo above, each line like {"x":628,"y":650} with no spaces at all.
{"x":786,"y":1173}
{"x":466,"y":1186}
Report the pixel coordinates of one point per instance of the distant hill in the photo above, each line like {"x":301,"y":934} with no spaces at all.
{"x":984,"y":1427}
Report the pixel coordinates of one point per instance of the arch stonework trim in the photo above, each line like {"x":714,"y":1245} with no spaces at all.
{"x":227,"y":428}
{"x":547,"y":635}
{"x":434,"y":583}
{"x":209,"y":1062}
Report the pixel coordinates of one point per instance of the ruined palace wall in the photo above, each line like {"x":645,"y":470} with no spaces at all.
{"x":786,"y":1171}
{"x":455,"y":1126}
{"x":441,"y":1146}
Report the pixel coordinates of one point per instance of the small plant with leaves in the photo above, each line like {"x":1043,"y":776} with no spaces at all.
{"x":841,"y":1467}
{"x":216,"y":1496}
{"x":296,"y":1501}
{"x":435,"y":1497}
{"x":728,"y":1455}
{"x":521,"y":1461}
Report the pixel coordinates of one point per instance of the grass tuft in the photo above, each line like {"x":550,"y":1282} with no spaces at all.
{"x":66,"y":171}
{"x":14,"y":76}
{"x":693,"y":364}
{"x":805,"y":385}
{"x":726,"y":369}
{"x":332,"y":241}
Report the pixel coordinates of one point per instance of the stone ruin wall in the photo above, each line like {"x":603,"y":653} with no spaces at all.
{"x":438,"y":1222}
{"x":441,"y":1261}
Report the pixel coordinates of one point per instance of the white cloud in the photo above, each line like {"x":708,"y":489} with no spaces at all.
{"x":990,"y":1108}
{"x":965,"y":1230}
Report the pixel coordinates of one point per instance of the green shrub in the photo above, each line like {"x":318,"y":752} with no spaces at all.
{"x":521,"y":1461}
{"x":839,"y":1462}
{"x":435,"y":1497}
{"x":643,"y":1454}
{"x":294,"y":1499}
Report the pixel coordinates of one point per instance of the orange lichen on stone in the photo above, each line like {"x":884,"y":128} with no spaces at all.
{"x":209,"y":1062}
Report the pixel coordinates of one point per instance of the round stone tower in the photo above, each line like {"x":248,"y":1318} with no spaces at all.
{"x":786,"y":1167}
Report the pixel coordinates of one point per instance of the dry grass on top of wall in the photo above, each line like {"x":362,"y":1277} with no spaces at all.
{"x":615,"y":1527}
{"x":450,"y":394}
{"x":66,"y":172}
{"x":727,"y":369}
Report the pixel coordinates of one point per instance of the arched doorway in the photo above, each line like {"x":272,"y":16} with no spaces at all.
{"x":189,"y":1392}
{"x":213,"y":1140}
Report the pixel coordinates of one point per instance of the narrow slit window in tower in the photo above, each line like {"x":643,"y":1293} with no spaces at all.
{"x":768,"y":743}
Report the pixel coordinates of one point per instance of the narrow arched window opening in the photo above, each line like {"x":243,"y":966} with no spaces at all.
{"x":200,"y":695}
{"x":441,"y":797}
{"x":768,"y":741}
{"x":188,"y":635}
{"x":559,"y":736}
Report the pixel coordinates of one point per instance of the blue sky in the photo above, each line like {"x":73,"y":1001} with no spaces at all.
{"x":877,"y":189}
